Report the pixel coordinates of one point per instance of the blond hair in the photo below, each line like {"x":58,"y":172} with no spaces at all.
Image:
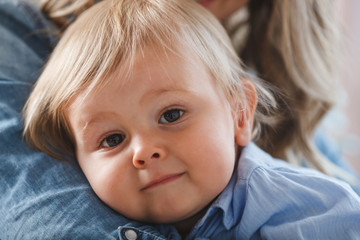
{"x":63,"y":12}
{"x":107,"y":36}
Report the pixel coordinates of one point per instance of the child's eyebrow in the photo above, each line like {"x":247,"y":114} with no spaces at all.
{"x":162,"y":91}
{"x":87,"y":123}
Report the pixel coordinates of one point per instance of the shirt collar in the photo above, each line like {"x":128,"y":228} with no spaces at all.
{"x":226,"y":211}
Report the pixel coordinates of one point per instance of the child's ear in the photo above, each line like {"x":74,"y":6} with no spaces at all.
{"x":244,"y":115}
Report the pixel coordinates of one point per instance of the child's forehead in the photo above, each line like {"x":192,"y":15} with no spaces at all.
{"x":165,"y":53}
{"x":156,"y":60}
{"x":153,"y":67}
{"x":165,"y":60}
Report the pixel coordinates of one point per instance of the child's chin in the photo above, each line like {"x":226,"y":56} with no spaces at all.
{"x":164,"y":218}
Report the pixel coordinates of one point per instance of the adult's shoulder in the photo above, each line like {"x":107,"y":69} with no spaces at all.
{"x":26,"y":40}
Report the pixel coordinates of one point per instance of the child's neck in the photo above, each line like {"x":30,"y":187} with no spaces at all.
{"x":184,"y":227}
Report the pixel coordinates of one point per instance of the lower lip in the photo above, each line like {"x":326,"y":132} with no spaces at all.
{"x":165,"y":180}
{"x":206,"y":3}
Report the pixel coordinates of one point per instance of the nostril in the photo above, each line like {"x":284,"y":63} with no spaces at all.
{"x":141,"y":162}
{"x":156,"y":155}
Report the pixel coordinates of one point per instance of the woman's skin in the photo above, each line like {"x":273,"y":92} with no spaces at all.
{"x":222,"y":9}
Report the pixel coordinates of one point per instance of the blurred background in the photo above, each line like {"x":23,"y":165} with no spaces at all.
{"x":350,"y":78}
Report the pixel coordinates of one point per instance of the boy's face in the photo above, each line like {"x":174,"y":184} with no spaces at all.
{"x":159,"y":146}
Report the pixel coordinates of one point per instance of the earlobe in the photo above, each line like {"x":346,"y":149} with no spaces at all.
{"x":244,"y":115}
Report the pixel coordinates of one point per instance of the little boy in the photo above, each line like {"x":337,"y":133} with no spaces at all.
{"x":150,"y":98}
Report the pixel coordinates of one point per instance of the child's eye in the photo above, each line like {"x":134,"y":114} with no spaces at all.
{"x":171,"y":116}
{"x":112,"y":140}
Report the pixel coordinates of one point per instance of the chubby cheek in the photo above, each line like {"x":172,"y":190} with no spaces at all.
{"x":109,"y":181}
{"x":212,"y":158}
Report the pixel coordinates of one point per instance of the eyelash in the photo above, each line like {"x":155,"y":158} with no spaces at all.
{"x":103,"y":141}
{"x":168,"y":111}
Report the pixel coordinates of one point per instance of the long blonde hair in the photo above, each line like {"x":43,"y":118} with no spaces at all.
{"x":108,"y":36}
{"x":294,"y":44}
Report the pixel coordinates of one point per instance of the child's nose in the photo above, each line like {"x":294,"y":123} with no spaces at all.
{"x":145,"y":151}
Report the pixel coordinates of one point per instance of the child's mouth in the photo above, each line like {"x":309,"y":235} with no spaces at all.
{"x":163,"y":180}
